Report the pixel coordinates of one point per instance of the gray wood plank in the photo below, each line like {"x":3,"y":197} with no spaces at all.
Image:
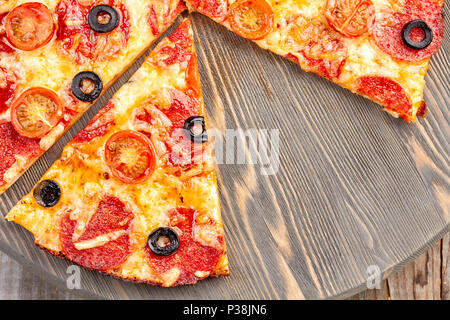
{"x":18,"y":283}
{"x":355,"y":187}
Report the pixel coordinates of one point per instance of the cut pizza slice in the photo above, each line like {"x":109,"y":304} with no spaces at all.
{"x":377,"y":48}
{"x":134,"y":194}
{"x":56,"y":58}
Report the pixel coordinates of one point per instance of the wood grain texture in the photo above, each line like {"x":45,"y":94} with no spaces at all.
{"x":426,"y":278}
{"x":355,"y":187}
{"x":17,"y":283}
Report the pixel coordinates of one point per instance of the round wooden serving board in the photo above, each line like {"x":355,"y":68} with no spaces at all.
{"x":354,"y":188}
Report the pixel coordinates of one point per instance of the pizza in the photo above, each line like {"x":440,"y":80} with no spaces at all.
{"x":56,"y":58}
{"x":134,"y":194}
{"x":376,"y":48}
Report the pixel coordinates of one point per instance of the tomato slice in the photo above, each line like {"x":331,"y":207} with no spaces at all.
{"x":251,"y":19}
{"x":130,"y":156}
{"x":35,"y":112}
{"x":29,"y":26}
{"x":349,"y":17}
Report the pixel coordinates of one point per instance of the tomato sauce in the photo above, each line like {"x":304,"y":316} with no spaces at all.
{"x":79,"y":41}
{"x":97,"y":127}
{"x":387,"y":92}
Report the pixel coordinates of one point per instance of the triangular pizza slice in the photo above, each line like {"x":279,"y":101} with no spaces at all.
{"x":376,"y":48}
{"x":134,"y":194}
{"x":56,"y":58}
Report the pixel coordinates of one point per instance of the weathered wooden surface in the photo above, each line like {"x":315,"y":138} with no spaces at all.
{"x":355,"y":187}
{"x":426,"y":278}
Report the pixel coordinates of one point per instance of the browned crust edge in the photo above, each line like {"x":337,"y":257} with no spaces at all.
{"x":61,"y":255}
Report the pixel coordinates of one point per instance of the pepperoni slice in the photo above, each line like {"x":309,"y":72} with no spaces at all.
{"x":77,"y":40}
{"x":322,"y":48}
{"x":388,"y":26}
{"x":98,"y":126}
{"x":13,"y":144}
{"x":111,"y":221}
{"x":7,"y":89}
{"x":386,"y":92}
{"x":215,"y":9}
{"x":191,"y":256}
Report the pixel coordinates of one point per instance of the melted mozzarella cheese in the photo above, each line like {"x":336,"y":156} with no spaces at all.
{"x":100,"y":240}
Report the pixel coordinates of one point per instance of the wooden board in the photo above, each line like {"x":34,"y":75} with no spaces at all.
{"x":355,"y":187}
{"x":427,"y":277}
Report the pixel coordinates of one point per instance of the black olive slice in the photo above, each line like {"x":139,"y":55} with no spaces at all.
{"x":103,"y":18}
{"x":406,"y":34}
{"x":163,"y":241}
{"x":87,"y":86}
{"x":193,"y":125}
{"x":47,"y":193}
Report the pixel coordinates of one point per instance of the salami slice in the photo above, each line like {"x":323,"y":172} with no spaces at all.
{"x":388,"y":26}
{"x":386,"y":92}
{"x":192,"y":256}
{"x":110,"y":222}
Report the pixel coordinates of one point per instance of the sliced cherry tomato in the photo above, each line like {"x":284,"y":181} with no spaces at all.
{"x":251,"y":19}
{"x":130,"y":156}
{"x":29,"y":26}
{"x":349,"y":17}
{"x":35,"y":112}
